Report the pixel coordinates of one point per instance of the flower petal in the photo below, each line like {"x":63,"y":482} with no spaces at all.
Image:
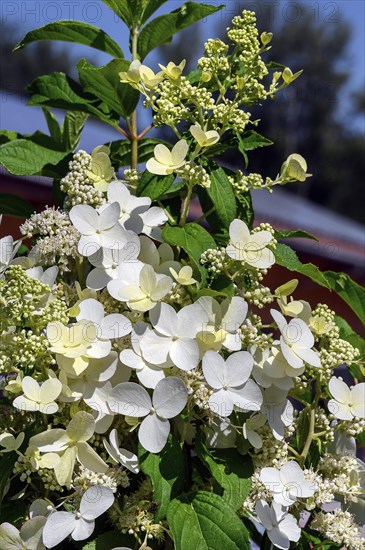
{"x":130,"y":399}
{"x":213,"y":369}
{"x":95,"y":501}
{"x":179,"y":152}
{"x":239,"y":233}
{"x":238,"y":368}
{"x":83,"y":529}
{"x":153,"y":433}
{"x":109,"y":216}
{"x":90,"y":459}
{"x":170,"y":397}
{"x":185,"y":354}
{"x":85,"y":219}
{"x":340,"y":391}
{"x":59,"y":525}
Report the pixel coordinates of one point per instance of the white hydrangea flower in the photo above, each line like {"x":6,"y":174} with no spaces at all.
{"x":287,"y":484}
{"x":107,"y":262}
{"x":250,"y":248}
{"x":292,"y":308}
{"x":165,"y":161}
{"x":141,"y":288}
{"x":272,"y":369}
{"x":130,"y":206}
{"x":80,"y":525}
{"x":73,"y":341}
{"x":39,"y":397}
{"x":347,"y":403}
{"x":108,"y":328}
{"x":172,"y":70}
{"x":126,"y":458}
{"x":147,"y":373}
{"x":222,"y":323}
{"x":29,"y":536}
{"x":161,"y":258}
{"x":173,"y":336}
{"x":9,"y":443}
{"x":184,"y":276}
{"x":98,"y":228}
{"x":249,"y":428}
{"x":152,"y":219}
{"x":132,"y":76}
{"x":230,"y":383}
{"x":296,"y":341}
{"x":149,"y":78}
{"x":169,"y":398}
{"x":72,"y":443}
{"x":281,"y":527}
{"x":204,"y":139}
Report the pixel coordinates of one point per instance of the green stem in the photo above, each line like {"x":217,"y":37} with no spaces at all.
{"x":170,"y":218}
{"x":312,"y":418}
{"x":186,"y":205}
{"x":133,"y":123}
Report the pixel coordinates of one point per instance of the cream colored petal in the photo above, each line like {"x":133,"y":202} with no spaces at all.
{"x":179,"y":152}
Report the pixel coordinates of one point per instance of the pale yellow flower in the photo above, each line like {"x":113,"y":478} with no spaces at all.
{"x":204,"y":139}
{"x":173,"y":71}
{"x":165,"y":161}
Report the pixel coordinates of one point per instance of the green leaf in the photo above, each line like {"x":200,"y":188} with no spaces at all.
{"x":122,"y":9}
{"x":230,"y":470}
{"x":121,"y":150}
{"x":245,"y":209}
{"x":152,"y":6}
{"x":163,"y":28}
{"x":193,"y":239}
{"x":73,"y":31}
{"x":104,"y":83}
{"x":72,"y":127}
{"x":349,"y":335}
{"x":222,"y":197}
{"x":53,"y":126}
{"x":23,"y":157}
{"x":206,"y":523}
{"x":285,"y":256}
{"x":295,"y":234}
{"x":250,"y":140}
{"x":350,"y":291}
{"x":7,"y":461}
{"x":60,"y":91}
{"x":6,"y":135}
{"x":167,"y":473}
{"x":154,"y":186}
{"x":12,"y":205}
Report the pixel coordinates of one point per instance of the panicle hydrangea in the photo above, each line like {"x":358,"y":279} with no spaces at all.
{"x":57,"y":238}
{"x":215,"y":57}
{"x":214,"y":260}
{"x":78,"y":185}
{"x":229,"y":115}
{"x":113,"y":478}
{"x":340,"y":527}
{"x":341,"y":474}
{"x":194,"y":174}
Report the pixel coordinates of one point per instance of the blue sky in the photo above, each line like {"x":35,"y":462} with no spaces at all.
{"x":29,"y":14}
